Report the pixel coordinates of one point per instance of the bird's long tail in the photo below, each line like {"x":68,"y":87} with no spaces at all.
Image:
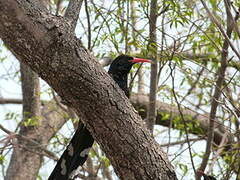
{"x":74,"y":156}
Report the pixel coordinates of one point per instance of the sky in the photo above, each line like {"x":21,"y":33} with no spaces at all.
{"x":10,"y":88}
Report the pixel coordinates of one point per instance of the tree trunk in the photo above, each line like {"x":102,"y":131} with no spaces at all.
{"x":152,"y":50}
{"x":35,"y":130}
{"x":47,"y":44}
{"x":24,"y":164}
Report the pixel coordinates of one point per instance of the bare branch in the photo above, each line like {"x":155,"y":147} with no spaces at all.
{"x":10,"y":101}
{"x":89,"y":25}
{"x":215,"y":21}
{"x":218,"y":88}
{"x":181,"y":142}
{"x":152,"y":48}
{"x":72,"y":11}
{"x":35,"y":145}
{"x":80,"y":81}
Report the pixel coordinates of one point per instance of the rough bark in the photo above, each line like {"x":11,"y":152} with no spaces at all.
{"x":141,"y":101}
{"x":21,"y":166}
{"x":29,"y":144}
{"x":53,"y":52}
{"x":22,"y":162}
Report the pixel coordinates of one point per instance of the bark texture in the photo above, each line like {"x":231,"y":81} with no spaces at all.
{"x":22,"y":162}
{"x":52,"y":51}
{"x":29,"y":144}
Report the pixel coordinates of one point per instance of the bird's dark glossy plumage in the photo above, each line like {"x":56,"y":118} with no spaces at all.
{"x":208,"y":177}
{"x":77,"y":151}
{"x":120,"y":68}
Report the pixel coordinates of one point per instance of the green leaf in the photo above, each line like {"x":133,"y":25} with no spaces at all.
{"x":184,"y":168}
{"x":2,"y":159}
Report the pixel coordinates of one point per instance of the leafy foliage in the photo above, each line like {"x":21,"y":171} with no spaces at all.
{"x":189,"y":48}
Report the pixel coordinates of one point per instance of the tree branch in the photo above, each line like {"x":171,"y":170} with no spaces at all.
{"x":140,"y":102}
{"x":218,"y":89}
{"x":10,"y":101}
{"x":36,"y":147}
{"x":72,"y":11}
{"x":152,"y":49}
{"x":215,"y":21}
{"x":60,"y":59}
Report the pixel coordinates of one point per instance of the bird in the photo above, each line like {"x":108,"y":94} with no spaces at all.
{"x":76,"y":152}
{"x":205,"y":176}
{"x":208,"y":177}
{"x":120,"y":68}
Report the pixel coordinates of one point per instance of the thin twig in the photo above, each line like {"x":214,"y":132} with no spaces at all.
{"x":181,"y":142}
{"x":216,"y":22}
{"x":218,"y":89}
{"x":37,"y":146}
{"x":89,"y":25}
{"x":184,"y":121}
{"x":218,"y":153}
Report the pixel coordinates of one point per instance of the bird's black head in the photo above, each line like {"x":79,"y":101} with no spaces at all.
{"x":120,"y":68}
{"x":123,"y":64}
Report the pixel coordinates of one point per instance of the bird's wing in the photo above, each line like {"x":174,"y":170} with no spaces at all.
{"x":74,"y":156}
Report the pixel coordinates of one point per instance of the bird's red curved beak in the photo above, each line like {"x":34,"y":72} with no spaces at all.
{"x":139,"y":60}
